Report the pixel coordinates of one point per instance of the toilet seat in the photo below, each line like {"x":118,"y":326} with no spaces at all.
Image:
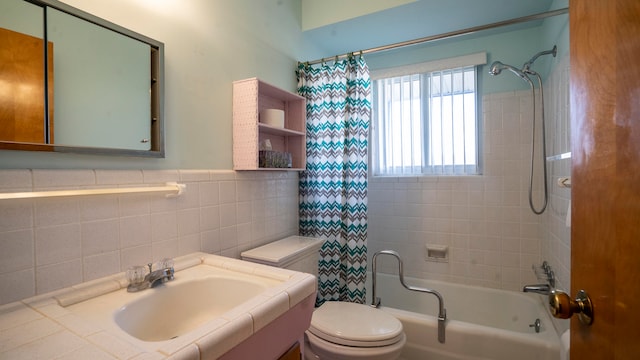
{"x":355,"y":325}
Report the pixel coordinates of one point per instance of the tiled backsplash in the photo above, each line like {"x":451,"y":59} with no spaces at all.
{"x":50,"y":243}
{"x":492,"y":235}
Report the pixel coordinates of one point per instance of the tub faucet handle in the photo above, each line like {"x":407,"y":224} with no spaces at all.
{"x":546,"y":267}
{"x":551,"y":278}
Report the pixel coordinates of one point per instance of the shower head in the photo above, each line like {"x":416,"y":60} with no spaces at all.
{"x":497,"y":67}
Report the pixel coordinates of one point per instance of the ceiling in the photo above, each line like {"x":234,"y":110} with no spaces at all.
{"x":416,"y":20}
{"x":318,"y":13}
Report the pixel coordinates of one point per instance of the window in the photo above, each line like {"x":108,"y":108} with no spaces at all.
{"x":426,"y":123}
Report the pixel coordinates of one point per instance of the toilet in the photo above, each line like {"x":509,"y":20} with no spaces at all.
{"x":339,"y":330}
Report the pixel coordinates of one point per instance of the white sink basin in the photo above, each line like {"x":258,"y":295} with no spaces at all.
{"x":169,"y":311}
{"x":202,"y":298}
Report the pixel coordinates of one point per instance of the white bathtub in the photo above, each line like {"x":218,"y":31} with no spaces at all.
{"x":481,"y":323}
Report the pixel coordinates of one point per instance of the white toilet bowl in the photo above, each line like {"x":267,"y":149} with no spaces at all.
{"x":339,"y":330}
{"x":345,"y":331}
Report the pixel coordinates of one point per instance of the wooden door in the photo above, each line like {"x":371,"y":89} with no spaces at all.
{"x":22,"y":87}
{"x":605,"y":125}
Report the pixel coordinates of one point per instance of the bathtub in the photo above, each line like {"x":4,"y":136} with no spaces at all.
{"x":481,"y":323}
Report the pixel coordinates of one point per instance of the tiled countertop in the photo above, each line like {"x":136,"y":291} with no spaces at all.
{"x":41,"y":328}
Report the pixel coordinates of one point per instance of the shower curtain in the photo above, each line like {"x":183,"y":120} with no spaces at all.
{"x":333,"y":188}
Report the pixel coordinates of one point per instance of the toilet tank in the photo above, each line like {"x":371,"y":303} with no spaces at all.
{"x":298,"y":253}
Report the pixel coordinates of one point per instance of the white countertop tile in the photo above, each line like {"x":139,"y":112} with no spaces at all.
{"x":12,"y":338}
{"x":85,"y":353}
{"x":114,"y":346}
{"x":48,"y":347}
{"x":39,"y":327}
{"x":14,"y":314}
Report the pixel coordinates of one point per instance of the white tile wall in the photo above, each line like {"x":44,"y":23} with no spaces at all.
{"x":47,"y":244}
{"x":556,"y":245}
{"x":492,"y":235}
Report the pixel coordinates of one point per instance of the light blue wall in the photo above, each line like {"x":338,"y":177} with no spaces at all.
{"x":208,"y":45}
{"x":511,"y":46}
{"x":211,"y":43}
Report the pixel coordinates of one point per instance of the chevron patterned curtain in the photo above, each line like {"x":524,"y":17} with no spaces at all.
{"x":333,"y":189}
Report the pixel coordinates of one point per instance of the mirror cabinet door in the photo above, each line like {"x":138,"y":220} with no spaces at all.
{"x":101,"y":91}
{"x":90,"y":62}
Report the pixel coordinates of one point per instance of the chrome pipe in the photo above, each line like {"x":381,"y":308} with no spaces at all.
{"x":527,"y":66}
{"x":375,"y":301}
{"x":542,"y":289}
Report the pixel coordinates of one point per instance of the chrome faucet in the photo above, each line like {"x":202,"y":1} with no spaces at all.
{"x":153,"y":278}
{"x":542,"y":289}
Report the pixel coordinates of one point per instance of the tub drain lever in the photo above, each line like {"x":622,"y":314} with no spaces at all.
{"x":536,"y":325}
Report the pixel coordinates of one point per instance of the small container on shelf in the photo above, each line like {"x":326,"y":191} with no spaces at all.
{"x":274,"y":159}
{"x":272,"y":117}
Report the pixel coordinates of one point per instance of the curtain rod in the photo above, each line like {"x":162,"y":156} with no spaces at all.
{"x":446,"y":35}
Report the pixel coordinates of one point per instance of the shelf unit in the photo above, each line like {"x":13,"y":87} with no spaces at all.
{"x":250,"y":96}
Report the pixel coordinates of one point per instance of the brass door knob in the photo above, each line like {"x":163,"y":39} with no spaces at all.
{"x":563,"y":307}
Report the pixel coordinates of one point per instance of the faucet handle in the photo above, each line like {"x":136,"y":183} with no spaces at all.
{"x":546,"y":267}
{"x":551,"y":278}
{"x":165,"y":263}
{"x":136,"y":274}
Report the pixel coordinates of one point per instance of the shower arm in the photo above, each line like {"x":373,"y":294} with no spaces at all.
{"x":375,"y":301}
{"x":527,"y":66}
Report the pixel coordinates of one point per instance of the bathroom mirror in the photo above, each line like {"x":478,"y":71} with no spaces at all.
{"x":100,"y":92}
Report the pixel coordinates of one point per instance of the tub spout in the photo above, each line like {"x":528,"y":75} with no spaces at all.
{"x":542,"y":289}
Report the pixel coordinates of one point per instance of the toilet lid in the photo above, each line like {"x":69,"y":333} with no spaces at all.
{"x":281,"y":252}
{"x":355,"y":325}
